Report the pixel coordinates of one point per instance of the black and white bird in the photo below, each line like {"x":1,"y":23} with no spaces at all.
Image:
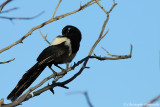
{"x":62,"y":50}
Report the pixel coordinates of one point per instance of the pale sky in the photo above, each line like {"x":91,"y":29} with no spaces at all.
{"x":108,"y":83}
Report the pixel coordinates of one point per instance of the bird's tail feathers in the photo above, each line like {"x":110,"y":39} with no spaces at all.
{"x":27,"y":79}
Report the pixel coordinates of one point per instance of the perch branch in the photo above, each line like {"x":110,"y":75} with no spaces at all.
{"x":22,"y":98}
{"x":74,"y":66}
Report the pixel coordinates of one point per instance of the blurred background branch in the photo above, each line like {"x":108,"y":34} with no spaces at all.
{"x":7,"y":61}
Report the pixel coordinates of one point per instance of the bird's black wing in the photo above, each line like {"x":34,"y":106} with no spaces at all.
{"x":50,"y":55}
{"x":53,"y":54}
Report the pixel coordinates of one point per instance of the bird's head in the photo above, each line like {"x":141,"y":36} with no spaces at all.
{"x":72,"y":32}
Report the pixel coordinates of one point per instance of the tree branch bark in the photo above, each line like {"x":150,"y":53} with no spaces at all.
{"x":3,"y":4}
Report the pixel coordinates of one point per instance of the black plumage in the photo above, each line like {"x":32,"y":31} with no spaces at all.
{"x":62,"y":50}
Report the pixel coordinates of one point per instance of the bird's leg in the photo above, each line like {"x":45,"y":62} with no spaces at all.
{"x":59,"y":67}
{"x":67,"y":65}
{"x":54,"y":72}
{"x":63,"y":70}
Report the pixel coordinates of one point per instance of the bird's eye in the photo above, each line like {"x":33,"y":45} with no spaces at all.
{"x":69,"y":29}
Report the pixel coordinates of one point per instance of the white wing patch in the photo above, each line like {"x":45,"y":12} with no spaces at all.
{"x":59,"y":40}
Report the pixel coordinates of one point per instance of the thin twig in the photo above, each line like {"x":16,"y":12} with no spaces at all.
{"x":108,"y":52}
{"x":6,"y":11}
{"x":44,"y":37}
{"x":3,"y":4}
{"x":112,"y":6}
{"x":104,"y":25}
{"x":88,"y":99}
{"x":97,"y":41}
{"x":21,"y":18}
{"x":119,"y":56}
{"x":7,"y":61}
{"x":101,"y":6}
{"x":86,"y":96}
{"x":152,"y":101}
{"x":56,"y":8}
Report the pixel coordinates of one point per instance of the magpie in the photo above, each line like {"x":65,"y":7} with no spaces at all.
{"x":62,"y":50}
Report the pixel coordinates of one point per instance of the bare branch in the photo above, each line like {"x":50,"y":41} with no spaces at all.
{"x":56,"y":8}
{"x":119,"y":56}
{"x":112,"y":6}
{"x":99,"y":39}
{"x":44,"y":37}
{"x":85,"y":94}
{"x":104,"y":25}
{"x":152,"y":101}
{"x":45,"y":23}
{"x":88,"y":99}
{"x":7,"y":61}
{"x":106,"y":21}
{"x":3,"y":4}
{"x":101,"y":6}
{"x":21,"y":99}
{"x":6,"y":11}
{"x":21,"y":18}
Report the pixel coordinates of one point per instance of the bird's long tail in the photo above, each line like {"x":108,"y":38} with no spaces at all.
{"x":28,"y":78}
